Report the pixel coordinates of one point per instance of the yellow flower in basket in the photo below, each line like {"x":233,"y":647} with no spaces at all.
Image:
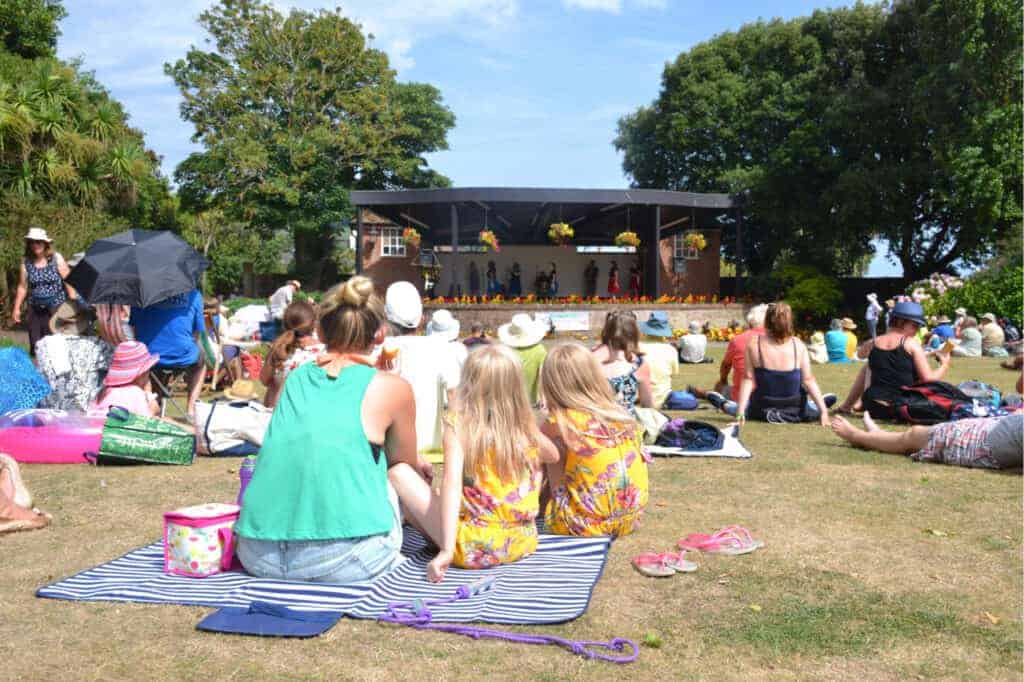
{"x":627,"y":239}
{"x":561,"y":233}
{"x":489,"y":239}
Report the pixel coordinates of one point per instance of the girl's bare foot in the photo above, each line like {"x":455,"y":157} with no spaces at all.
{"x":869,"y":423}
{"x":6,"y":484}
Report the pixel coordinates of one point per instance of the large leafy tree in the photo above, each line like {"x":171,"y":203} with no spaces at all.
{"x":853,"y":123}
{"x":292,"y":111}
{"x":28,"y":28}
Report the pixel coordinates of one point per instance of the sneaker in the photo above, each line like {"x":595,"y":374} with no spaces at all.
{"x":830,"y":399}
{"x":716,"y":399}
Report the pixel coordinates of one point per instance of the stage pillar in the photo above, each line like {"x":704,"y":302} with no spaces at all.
{"x":453,"y":287}
{"x":652,"y":255}
{"x":739,"y":251}
{"x":359,"y":240}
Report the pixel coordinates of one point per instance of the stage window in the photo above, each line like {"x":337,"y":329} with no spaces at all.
{"x":391,"y":244}
{"x":680,"y":250}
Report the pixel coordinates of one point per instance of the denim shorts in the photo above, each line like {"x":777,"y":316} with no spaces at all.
{"x":344,"y":561}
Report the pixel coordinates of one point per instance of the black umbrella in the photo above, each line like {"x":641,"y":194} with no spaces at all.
{"x":137,"y":267}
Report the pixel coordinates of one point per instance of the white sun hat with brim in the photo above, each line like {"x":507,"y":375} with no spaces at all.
{"x":403,"y":305}
{"x":38,"y":234}
{"x":443,"y":325}
{"x":522,"y":332}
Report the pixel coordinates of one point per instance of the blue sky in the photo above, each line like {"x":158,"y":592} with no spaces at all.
{"x":536,"y":85}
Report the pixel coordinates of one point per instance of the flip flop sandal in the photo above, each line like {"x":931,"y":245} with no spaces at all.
{"x":42,"y":520}
{"x":731,"y":541}
{"x":22,"y":497}
{"x":663,"y":565}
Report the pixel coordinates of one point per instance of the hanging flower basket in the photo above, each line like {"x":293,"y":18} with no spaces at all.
{"x":561,"y":233}
{"x":411,"y":237}
{"x":695,"y":241}
{"x":490,"y":240}
{"x":627,"y":239}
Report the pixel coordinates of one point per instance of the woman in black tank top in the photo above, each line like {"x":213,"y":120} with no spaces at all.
{"x":888,"y":370}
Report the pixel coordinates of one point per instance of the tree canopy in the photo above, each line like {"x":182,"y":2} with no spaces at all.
{"x":873,"y":121}
{"x":292,"y":111}
{"x":69,"y":160}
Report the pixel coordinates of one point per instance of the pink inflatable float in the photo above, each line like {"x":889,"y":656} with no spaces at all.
{"x":50,"y":436}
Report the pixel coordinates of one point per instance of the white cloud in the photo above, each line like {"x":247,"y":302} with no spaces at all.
{"x":652,"y":4}
{"x":613,"y":6}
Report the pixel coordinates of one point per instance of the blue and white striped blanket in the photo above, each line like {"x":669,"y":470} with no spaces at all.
{"x":553,"y":585}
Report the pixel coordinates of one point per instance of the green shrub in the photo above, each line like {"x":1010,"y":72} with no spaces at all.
{"x":1000,"y":292}
{"x":809,"y":292}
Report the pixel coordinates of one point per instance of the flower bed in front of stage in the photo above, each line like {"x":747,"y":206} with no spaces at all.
{"x":580,"y":300}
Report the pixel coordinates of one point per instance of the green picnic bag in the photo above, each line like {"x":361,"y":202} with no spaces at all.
{"x":132,"y":439}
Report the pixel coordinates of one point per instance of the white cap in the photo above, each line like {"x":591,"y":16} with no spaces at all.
{"x":403,"y":305}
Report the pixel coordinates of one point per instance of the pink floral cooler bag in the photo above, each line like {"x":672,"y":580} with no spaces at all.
{"x":199,"y":541}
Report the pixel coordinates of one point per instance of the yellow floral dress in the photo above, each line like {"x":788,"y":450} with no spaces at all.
{"x":604,"y":491}
{"x":498,"y":520}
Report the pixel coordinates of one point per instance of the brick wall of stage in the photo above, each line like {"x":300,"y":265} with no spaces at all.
{"x":493,"y":315}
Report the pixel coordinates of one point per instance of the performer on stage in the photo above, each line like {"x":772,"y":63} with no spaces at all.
{"x":634,"y":281}
{"x":590,"y":274}
{"x":614,"y":288}
{"x":515,"y":281}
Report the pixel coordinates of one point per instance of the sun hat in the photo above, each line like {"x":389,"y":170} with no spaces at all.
{"x":131,"y":358}
{"x":943,"y":319}
{"x":38,"y":234}
{"x":657,"y":324}
{"x":817,"y":338}
{"x":72,"y":319}
{"x":694,"y":327}
{"x":848,"y":324}
{"x":989,"y":317}
{"x":444,"y":325}
{"x":403,"y":305}
{"x":962,"y":312}
{"x":873,"y":297}
{"x":908,"y":310}
{"x":244,"y":389}
{"x":522,"y":332}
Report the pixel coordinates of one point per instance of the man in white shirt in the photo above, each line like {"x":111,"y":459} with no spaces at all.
{"x":660,"y":355}
{"x":428,"y":363}
{"x":694,"y":345}
{"x":282,"y":298}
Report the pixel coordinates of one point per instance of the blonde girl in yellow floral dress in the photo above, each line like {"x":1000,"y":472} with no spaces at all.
{"x":486,"y":511}
{"x":599,"y":484}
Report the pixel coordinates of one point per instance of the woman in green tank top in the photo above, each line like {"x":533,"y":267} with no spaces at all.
{"x":319,"y":507}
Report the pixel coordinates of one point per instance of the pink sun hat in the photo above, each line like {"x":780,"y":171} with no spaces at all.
{"x":131,"y":358}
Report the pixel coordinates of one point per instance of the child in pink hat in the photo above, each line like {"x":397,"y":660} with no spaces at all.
{"x":127,"y":381}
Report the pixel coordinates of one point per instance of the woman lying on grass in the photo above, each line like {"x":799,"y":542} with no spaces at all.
{"x":486,"y":512}
{"x":599,"y":483}
{"x":987,"y":443}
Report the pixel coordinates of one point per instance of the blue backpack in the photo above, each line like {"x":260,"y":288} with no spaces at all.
{"x":680,"y":400}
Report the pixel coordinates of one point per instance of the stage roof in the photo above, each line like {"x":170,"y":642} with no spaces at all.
{"x":522,"y":215}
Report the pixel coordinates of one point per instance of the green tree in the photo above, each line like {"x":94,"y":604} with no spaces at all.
{"x":28,"y":28}
{"x":293,"y":111}
{"x":901,"y":122}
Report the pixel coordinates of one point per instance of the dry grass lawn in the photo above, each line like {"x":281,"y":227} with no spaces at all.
{"x":875,"y":568}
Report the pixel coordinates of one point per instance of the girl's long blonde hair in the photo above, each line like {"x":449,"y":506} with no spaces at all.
{"x":494,"y":420}
{"x":571,"y":378}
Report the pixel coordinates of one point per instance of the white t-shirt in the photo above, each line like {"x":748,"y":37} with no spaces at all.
{"x":432,"y":366}
{"x":693,"y":347}
{"x":279,"y":300}
{"x":664,"y":362}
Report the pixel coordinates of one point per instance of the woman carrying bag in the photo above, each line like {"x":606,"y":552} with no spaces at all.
{"x":41,"y":280}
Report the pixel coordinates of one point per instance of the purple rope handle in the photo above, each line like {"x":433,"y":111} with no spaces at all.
{"x":420,"y":617}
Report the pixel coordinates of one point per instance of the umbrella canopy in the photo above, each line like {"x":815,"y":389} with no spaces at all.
{"x":137,"y":267}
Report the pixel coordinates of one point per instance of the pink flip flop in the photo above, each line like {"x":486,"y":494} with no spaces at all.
{"x":731,"y":541}
{"x":664,"y":564}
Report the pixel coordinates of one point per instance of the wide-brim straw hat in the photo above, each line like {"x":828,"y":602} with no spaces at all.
{"x":943,"y":319}
{"x":131,"y":359}
{"x":988,"y":317}
{"x":245,"y":389}
{"x":443,"y":325}
{"x":522,"y":332}
{"x":38,"y":234}
{"x":848,"y":324}
{"x":72,"y":319}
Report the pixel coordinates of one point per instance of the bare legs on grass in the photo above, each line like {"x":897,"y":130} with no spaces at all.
{"x":873,"y":438}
